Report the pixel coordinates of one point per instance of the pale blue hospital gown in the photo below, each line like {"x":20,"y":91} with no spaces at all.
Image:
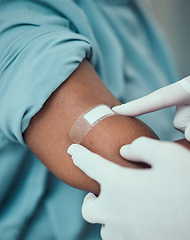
{"x":41,"y":43}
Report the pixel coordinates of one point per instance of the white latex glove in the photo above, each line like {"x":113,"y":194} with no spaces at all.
{"x":177,"y":94}
{"x":144,"y":204}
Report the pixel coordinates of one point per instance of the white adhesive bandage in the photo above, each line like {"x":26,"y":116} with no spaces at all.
{"x":88,"y":120}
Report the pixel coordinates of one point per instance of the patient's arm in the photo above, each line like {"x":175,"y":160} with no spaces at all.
{"x":184,"y":143}
{"x":48,"y":132}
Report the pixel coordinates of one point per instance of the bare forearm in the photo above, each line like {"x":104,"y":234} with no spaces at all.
{"x":48,"y":132}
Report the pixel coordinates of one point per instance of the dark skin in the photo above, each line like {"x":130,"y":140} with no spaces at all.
{"x":48,"y":132}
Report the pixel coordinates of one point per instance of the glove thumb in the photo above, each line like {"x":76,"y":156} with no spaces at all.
{"x":90,"y":211}
{"x":187,"y":132}
{"x":142,"y":149}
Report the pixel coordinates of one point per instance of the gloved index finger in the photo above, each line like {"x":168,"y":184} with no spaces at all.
{"x":168,"y":96}
{"x":90,"y":163}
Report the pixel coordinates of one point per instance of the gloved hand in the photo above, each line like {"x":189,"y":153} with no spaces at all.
{"x":177,"y":94}
{"x":142,"y":204}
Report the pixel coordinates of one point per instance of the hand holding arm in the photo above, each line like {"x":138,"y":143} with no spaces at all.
{"x":139,"y":204}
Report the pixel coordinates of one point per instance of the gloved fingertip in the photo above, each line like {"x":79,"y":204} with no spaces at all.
{"x":118,"y":109}
{"x":124,"y":150}
{"x":187,"y":136}
{"x":127,"y":109}
{"x":89,"y":197}
{"x":187,"y":133}
{"x":72,"y":148}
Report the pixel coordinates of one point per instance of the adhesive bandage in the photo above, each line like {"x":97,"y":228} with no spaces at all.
{"x":88,"y":120}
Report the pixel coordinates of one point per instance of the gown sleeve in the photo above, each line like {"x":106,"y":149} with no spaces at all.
{"x":39,"y":49}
